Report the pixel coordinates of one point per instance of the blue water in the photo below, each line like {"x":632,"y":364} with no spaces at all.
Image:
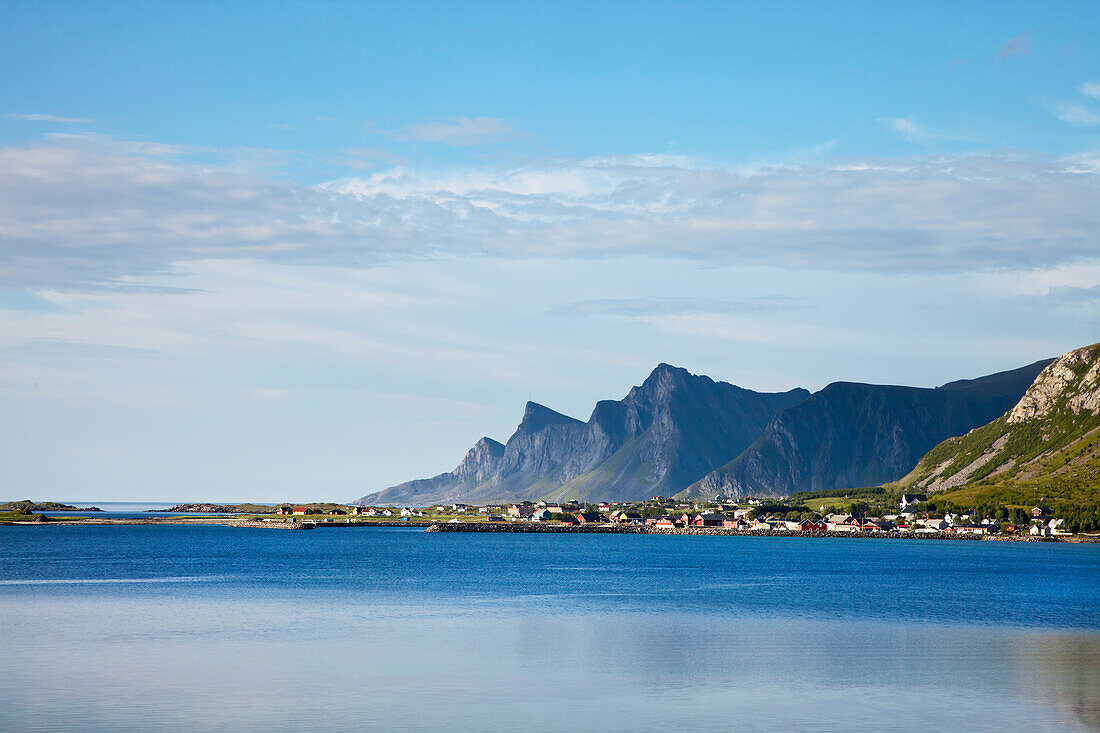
{"x":215,"y":628}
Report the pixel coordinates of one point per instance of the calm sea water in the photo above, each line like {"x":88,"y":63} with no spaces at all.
{"x":214,"y":628}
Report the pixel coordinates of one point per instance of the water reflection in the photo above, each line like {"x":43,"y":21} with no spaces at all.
{"x":267,"y":664}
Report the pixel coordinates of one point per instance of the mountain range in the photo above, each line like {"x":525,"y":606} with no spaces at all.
{"x":684,"y":434}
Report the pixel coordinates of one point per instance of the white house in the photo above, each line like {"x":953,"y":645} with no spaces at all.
{"x":1058,"y":526}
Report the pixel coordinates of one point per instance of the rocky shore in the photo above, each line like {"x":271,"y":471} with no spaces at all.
{"x":641,"y":529}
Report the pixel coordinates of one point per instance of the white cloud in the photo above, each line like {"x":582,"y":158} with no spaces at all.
{"x":1076,"y":114}
{"x":1091,"y":89}
{"x":50,"y":118}
{"x":461,"y":131}
{"x":81,"y":213}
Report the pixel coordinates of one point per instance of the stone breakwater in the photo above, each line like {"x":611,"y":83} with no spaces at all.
{"x":269,"y":525}
{"x":638,"y":529}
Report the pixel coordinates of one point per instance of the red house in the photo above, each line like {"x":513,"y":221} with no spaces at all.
{"x":708,"y":520}
{"x":664,"y":522}
{"x":284,"y":510}
{"x":737,"y":523}
{"x":587,"y":517}
{"x":809,"y":525}
{"x":570,"y":521}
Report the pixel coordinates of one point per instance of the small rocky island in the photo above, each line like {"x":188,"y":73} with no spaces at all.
{"x":27,"y":506}
{"x":204,"y":508}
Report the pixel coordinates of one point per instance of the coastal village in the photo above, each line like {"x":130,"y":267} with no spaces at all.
{"x":912,"y":515}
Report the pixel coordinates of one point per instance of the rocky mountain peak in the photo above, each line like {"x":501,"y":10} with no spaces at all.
{"x":1072,"y":379}
{"x":481,"y":460}
{"x":536,"y":417}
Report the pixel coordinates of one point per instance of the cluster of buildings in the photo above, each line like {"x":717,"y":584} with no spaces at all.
{"x":721,"y":513}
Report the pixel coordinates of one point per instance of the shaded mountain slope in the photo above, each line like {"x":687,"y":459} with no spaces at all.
{"x":849,"y":435}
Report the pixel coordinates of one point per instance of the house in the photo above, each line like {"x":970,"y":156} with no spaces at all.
{"x":570,"y":520}
{"x":1037,"y":511}
{"x":519,"y":512}
{"x":302,"y":510}
{"x":284,"y":510}
{"x":1039,"y":530}
{"x":1058,"y":526}
{"x":708,"y":520}
{"x":541,"y":515}
{"x":735,"y":523}
{"x":909,"y":501}
{"x":337,"y":513}
{"x":841,"y":523}
{"x":657,"y":499}
{"x":811,"y":525}
{"x":970,"y":529}
{"x":587,"y":517}
{"x":663,"y":521}
{"x":458,"y":507}
{"x":605,"y":507}
{"x":630,"y":518}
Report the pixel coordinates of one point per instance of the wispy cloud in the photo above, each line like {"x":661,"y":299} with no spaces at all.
{"x":1070,"y":296}
{"x":79,"y":213}
{"x":461,"y":131}
{"x":51,"y":118}
{"x":1075,"y":114}
{"x":917,"y":132}
{"x":636,"y":307}
{"x":1091,"y":89}
{"x":1017,"y":46}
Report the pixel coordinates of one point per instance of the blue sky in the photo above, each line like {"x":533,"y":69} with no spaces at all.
{"x":287,"y":250}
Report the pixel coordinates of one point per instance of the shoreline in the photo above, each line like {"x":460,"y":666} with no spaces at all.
{"x":538,"y":528}
{"x":721,"y":531}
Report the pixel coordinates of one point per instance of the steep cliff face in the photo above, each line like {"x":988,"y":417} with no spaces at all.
{"x":480,"y":462}
{"x":670,"y":431}
{"x":665,"y":433}
{"x":850,"y":435}
{"x":1050,"y":437}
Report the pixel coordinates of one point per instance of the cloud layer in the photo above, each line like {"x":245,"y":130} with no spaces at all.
{"x":50,"y":118}
{"x":78,"y":213}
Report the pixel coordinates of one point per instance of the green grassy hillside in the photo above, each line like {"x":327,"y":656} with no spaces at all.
{"x":1045,"y":449}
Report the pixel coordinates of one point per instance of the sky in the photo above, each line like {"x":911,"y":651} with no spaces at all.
{"x":305,"y":251}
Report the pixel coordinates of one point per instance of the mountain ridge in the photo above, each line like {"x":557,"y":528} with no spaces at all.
{"x":688,"y":435}
{"x":650,"y":441}
{"x":852,"y":434}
